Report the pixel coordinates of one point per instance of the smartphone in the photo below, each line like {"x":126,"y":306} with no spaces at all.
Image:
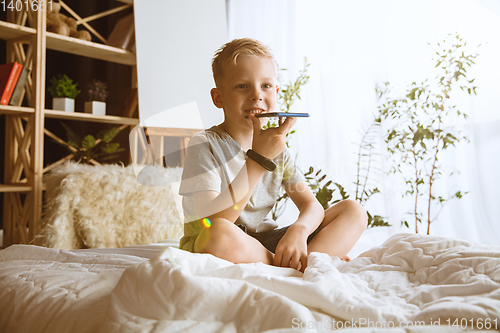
{"x":281,"y":114}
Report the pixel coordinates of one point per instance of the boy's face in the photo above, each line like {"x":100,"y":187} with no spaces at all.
{"x":247,"y":87}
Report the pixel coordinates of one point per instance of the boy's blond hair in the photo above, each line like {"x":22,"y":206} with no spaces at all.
{"x":229,"y":52}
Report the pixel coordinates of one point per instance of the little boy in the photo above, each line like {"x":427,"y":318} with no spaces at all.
{"x":233,"y":173}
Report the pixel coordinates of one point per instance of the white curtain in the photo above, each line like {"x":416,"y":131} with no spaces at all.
{"x":352,"y":46}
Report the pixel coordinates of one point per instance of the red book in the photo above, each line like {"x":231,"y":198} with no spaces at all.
{"x":9,"y":74}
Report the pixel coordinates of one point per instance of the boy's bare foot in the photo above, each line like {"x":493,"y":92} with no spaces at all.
{"x":346,"y":259}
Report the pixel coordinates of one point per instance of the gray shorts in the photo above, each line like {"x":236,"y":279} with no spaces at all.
{"x":271,"y":238}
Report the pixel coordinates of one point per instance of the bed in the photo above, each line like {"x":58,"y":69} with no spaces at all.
{"x":89,"y":278}
{"x":405,"y":283}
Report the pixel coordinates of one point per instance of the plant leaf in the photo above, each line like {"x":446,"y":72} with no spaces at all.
{"x":88,"y":142}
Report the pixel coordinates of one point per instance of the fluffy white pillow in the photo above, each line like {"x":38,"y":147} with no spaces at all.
{"x":106,"y":206}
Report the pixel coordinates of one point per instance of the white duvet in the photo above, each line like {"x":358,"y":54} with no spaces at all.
{"x":409,"y":281}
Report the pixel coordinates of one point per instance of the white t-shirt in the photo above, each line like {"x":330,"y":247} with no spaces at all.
{"x":213,"y":159}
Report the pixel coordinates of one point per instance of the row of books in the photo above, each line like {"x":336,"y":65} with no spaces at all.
{"x":13,"y":77}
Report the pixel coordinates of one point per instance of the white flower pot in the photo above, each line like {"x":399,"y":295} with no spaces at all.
{"x":63,"y":104}
{"x":97,"y":108}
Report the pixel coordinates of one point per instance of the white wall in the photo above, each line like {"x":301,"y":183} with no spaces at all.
{"x":175,"y":43}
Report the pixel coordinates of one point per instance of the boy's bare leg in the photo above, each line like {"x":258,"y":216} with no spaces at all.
{"x":226,"y":240}
{"x":340,"y":230}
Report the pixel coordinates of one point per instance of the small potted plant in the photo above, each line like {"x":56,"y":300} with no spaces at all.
{"x":63,"y":92}
{"x":97,"y":92}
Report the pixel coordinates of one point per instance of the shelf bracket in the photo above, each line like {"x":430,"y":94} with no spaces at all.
{"x":85,"y":24}
{"x":103,"y":14}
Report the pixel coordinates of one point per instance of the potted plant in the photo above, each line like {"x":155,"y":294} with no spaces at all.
{"x":63,"y":92}
{"x":97,"y":92}
{"x":92,"y":149}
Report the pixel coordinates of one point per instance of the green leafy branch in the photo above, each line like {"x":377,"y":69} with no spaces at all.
{"x":326,"y":195}
{"x":90,"y":148}
{"x":290,"y":91}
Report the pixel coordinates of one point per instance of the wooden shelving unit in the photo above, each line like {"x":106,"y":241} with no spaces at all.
{"x":25,"y":126}
{"x":17,"y":33}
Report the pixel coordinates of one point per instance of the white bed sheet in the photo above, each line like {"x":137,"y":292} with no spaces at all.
{"x":409,"y":280}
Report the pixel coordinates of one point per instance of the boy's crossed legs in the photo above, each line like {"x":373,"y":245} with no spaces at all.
{"x":338,"y":232}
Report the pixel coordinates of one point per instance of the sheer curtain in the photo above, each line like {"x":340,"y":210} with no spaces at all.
{"x":352,"y":46}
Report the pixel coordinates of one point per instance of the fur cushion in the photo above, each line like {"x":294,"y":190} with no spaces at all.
{"x":107,"y":206}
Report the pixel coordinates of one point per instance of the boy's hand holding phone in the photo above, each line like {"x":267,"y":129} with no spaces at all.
{"x":272,"y":141}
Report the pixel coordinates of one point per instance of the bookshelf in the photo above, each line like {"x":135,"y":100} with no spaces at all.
{"x":27,"y":42}
{"x":17,"y":33}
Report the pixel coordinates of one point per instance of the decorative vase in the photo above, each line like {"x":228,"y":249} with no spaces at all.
{"x":63,"y":104}
{"x":97,"y":108}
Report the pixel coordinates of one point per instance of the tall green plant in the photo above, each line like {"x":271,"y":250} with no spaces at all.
{"x":420,"y":128}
